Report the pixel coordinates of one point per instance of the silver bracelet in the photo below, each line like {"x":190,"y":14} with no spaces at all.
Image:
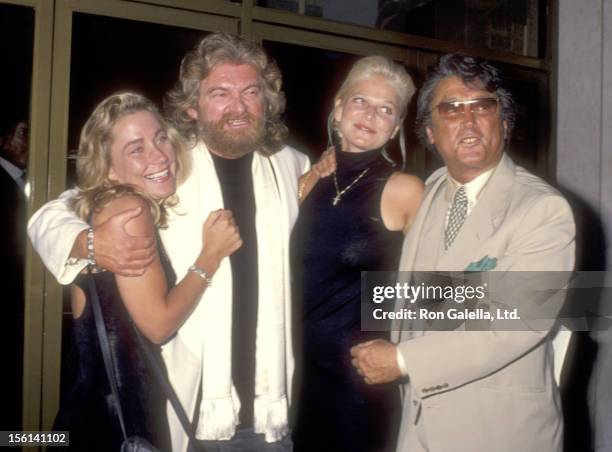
{"x":202,"y":274}
{"x":91,"y":257}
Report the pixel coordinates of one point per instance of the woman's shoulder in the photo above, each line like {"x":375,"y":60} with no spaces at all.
{"x":402,"y":183}
{"x":401,"y":200}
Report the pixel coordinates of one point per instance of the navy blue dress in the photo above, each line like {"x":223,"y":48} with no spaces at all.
{"x":85,"y":407}
{"x":330,"y":246}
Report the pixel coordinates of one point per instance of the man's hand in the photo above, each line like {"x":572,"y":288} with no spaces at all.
{"x":326,"y":164}
{"x":323,"y":168}
{"x":376,"y":361}
{"x":221,"y":237}
{"x":115,"y":250}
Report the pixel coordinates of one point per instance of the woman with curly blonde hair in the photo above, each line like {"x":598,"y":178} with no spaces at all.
{"x":130,"y":158}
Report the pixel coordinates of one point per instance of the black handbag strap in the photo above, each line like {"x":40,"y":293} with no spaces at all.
{"x":110,"y":370}
{"x":105,"y":347}
{"x":170,"y":393}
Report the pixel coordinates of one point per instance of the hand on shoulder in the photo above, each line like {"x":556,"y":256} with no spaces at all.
{"x":326,"y":164}
{"x":124,"y":236}
{"x":323,"y":168}
{"x":131,"y":211}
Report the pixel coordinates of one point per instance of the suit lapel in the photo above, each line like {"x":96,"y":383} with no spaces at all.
{"x":475,"y":230}
{"x":431,"y":243}
{"x":414,"y":238}
{"x":483,"y":221}
{"x":422,"y":221}
{"x":422,"y":245}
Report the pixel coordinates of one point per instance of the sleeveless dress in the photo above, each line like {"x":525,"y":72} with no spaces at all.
{"x":330,"y":246}
{"x":85,"y":407}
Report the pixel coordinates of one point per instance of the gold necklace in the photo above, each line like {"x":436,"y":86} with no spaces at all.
{"x":339,"y":192}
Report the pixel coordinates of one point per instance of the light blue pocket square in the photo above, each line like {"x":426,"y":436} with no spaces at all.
{"x":485,"y":264}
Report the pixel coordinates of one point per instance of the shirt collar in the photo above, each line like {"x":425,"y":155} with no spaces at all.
{"x":472,"y":188}
{"x":14,"y":171}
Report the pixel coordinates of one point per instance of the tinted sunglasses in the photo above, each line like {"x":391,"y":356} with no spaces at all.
{"x":484,"y":106}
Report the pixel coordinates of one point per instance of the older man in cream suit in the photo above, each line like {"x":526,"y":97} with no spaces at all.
{"x":476,"y":391}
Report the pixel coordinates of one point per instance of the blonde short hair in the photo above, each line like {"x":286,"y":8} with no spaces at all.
{"x":371,"y":66}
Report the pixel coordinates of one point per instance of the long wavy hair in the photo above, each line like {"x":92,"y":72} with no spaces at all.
{"x":371,"y":66}
{"x":220,"y":48}
{"x":95,"y":188}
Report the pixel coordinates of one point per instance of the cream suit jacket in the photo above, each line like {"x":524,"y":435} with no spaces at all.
{"x":486,"y":391}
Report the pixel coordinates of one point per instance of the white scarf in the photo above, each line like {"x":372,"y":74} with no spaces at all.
{"x":207,"y":334}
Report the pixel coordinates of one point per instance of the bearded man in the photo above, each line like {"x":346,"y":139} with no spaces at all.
{"x":230,"y":363}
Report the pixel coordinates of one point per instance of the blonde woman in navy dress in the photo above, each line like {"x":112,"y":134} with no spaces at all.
{"x":350,"y":222}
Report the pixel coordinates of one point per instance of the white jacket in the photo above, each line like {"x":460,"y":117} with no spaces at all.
{"x":54,"y":228}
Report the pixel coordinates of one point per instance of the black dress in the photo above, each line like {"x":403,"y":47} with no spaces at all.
{"x":330,"y":246}
{"x":85,"y":407}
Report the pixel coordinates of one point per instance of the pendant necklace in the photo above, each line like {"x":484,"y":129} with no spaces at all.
{"x":340,"y":193}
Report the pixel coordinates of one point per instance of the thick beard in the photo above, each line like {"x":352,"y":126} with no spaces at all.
{"x":233,"y":144}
